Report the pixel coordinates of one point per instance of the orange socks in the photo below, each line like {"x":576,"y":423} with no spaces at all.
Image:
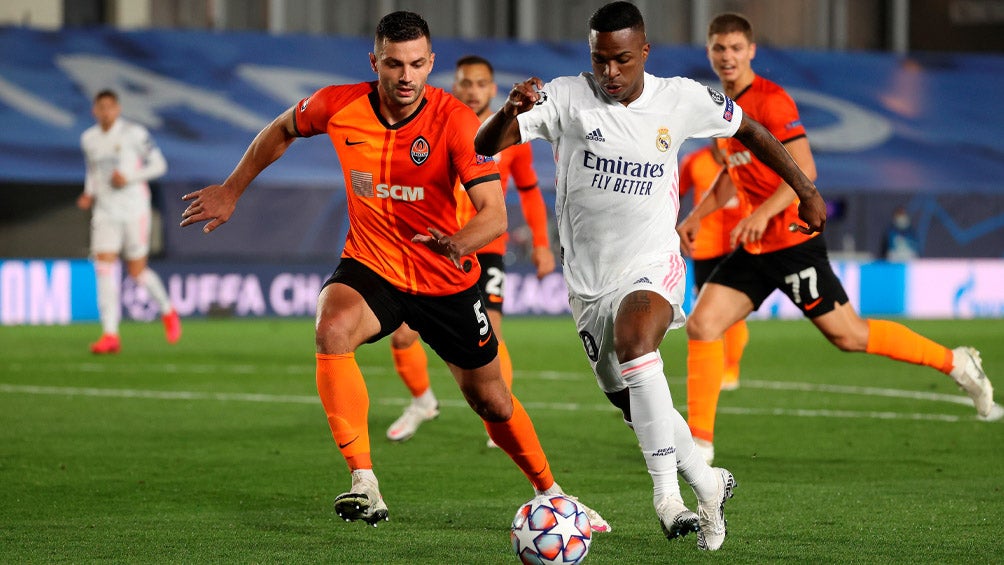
{"x":705,"y":366}
{"x":518,"y":439}
{"x":898,"y":342}
{"x":736,"y":338}
{"x":413,"y":367}
{"x":343,"y":394}
{"x":505,"y":364}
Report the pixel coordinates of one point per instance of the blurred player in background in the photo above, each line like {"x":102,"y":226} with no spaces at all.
{"x":474,"y":85}
{"x":772,"y":256}
{"x":121,"y":158}
{"x":403,"y":146}
{"x":616,"y":133}
{"x":698,"y":172}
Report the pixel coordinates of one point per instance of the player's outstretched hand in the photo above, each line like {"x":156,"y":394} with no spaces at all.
{"x":442,"y":244}
{"x":812,"y":211}
{"x":523,"y":96}
{"x":213,"y":205}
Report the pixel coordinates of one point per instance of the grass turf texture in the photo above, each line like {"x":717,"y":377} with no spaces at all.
{"x":217,"y":450}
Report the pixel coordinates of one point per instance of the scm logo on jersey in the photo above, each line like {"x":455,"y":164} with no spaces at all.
{"x":419,"y":150}
{"x":400,"y":192}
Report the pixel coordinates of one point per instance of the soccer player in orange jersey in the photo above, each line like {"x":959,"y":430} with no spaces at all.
{"x":698,"y":172}
{"x":402,"y":145}
{"x":773,"y":257}
{"x":474,"y":85}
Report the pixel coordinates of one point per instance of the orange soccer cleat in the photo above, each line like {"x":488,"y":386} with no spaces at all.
{"x":172,"y":326}
{"x":108,"y":343}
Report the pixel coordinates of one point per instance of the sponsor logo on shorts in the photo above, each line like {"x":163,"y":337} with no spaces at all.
{"x":484,"y":342}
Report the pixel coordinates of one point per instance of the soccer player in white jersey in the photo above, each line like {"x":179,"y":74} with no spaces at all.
{"x":616,"y":133}
{"x":121,"y":157}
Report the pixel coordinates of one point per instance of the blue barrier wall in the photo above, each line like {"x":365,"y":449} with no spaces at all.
{"x":63,"y":291}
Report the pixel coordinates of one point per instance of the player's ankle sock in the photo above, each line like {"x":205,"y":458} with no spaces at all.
{"x":505,"y":364}
{"x":651,"y":414}
{"x":705,"y":365}
{"x":412,"y":365}
{"x":518,"y":439}
{"x":153,"y":285}
{"x":898,"y":342}
{"x":343,"y":394}
{"x":735,"y":341}
{"x":108,"y":296}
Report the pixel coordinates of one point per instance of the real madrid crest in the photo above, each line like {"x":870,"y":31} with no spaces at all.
{"x":662,"y":141}
{"x":419,"y":150}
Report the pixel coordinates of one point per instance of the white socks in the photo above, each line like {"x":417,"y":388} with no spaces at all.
{"x":651,"y":413}
{"x":662,"y":432}
{"x":109,"y":309}
{"x":151,"y":282}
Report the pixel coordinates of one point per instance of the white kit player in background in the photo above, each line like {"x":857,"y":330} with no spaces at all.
{"x":121,"y":158}
{"x":616,"y":133}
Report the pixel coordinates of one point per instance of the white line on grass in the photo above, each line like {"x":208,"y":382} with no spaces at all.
{"x":564,"y":406}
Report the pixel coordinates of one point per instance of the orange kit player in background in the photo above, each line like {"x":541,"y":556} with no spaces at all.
{"x":772,"y":257}
{"x":474,"y":85}
{"x":402,"y":145}
{"x":698,"y":171}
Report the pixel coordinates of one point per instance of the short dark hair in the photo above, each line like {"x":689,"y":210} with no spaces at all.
{"x":730,"y":23}
{"x":474,"y":60}
{"x":106,"y":93}
{"x":402,"y":26}
{"x":616,"y":16}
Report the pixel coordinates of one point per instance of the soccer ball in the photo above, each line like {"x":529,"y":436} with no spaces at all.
{"x":550,"y":529}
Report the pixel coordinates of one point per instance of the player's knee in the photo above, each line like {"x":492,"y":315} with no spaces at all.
{"x":490,"y":407}
{"x":403,"y":338}
{"x":700,"y":328}
{"x":332,"y":336}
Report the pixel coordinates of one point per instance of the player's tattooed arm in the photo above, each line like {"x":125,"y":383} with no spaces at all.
{"x":766,"y":147}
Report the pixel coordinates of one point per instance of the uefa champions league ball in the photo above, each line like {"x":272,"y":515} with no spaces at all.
{"x":550,"y":529}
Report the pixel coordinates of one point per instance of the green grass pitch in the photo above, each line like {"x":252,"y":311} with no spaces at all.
{"x":216,"y":450}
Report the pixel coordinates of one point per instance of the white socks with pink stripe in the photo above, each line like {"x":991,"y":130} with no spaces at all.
{"x":655,"y":420}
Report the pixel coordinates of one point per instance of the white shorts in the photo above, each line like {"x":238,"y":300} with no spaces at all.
{"x":594,"y":319}
{"x":128,"y":238}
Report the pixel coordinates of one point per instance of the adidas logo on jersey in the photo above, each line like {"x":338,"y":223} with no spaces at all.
{"x":595,"y":135}
{"x":643,"y":280}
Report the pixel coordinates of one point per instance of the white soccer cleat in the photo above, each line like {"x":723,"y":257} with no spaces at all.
{"x":596,"y":522}
{"x":676,"y":519}
{"x":706,"y":449}
{"x":967,"y":371}
{"x":415,"y":413}
{"x":363,"y":501}
{"x":712,"y":512}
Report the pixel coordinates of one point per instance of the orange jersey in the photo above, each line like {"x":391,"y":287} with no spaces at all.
{"x":515,"y":161}
{"x":698,"y":170}
{"x":400,"y":179}
{"x":769,"y":104}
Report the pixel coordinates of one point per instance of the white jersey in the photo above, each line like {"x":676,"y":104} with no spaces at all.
{"x":127,"y":148}
{"x":618,"y":190}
